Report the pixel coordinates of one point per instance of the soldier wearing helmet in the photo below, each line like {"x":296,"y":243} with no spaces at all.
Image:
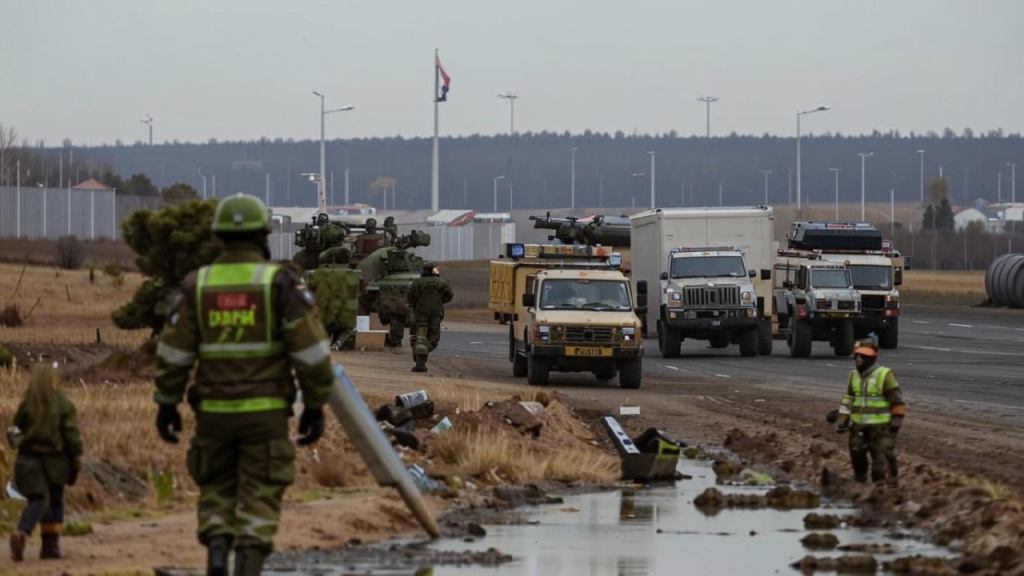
{"x":427,"y":297}
{"x":872,"y":411}
{"x":246,"y":324}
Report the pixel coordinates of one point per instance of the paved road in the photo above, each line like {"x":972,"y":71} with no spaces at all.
{"x":953,"y":359}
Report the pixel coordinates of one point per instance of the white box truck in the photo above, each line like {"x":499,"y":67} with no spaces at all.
{"x":713,"y":269}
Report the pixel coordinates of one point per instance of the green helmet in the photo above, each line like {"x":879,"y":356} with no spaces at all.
{"x":241,"y":213}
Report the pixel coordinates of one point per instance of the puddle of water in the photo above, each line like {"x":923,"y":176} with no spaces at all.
{"x":647,"y":532}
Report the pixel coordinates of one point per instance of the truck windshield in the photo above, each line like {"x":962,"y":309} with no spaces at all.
{"x":830,"y":278}
{"x":589,"y":294}
{"x":708,"y":267}
{"x":871,"y":277}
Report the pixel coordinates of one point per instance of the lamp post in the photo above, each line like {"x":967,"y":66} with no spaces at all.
{"x":496,"y":178}
{"x":799,"y":192}
{"x":149,"y":120}
{"x":708,"y":100}
{"x":862,"y":155}
{"x":652,"y":154}
{"x":766,"y":173}
{"x":836,"y":170}
{"x":572,"y":197}
{"x":921,"y":154}
{"x":321,"y":188}
{"x":203,"y":176}
{"x":1013,"y":182}
{"x":511,"y":97}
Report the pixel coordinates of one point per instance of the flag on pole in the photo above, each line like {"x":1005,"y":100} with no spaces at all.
{"x":445,"y":81}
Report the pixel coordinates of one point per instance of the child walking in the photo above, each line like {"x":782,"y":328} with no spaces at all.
{"x":49,"y":458}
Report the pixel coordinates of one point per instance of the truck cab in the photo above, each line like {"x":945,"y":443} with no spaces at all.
{"x":707,"y":294}
{"x":816,"y":301}
{"x":569,"y":309}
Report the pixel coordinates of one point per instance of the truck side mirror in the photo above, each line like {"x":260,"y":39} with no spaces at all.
{"x":906,"y":262}
{"x":529,"y":300}
{"x":897,"y":276}
{"x":641,"y":287}
{"x":663,"y":276}
{"x":752,"y":273}
{"x":787,"y":284}
{"x":766,"y":274}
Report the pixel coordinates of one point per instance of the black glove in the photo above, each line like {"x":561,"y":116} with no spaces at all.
{"x":168,"y":423}
{"x":832,"y":416}
{"x":311,"y":426}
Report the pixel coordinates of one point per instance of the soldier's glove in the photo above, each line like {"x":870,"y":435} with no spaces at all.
{"x":832,"y":416}
{"x":168,"y":423}
{"x":311,"y":426}
{"x":843,"y":426}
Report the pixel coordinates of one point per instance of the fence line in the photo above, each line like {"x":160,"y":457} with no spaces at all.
{"x":50,"y":213}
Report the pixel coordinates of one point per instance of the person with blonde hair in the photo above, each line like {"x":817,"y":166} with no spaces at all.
{"x":49,"y":458}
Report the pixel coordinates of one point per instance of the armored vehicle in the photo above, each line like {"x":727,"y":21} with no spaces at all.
{"x":387,"y":274}
{"x":815,"y":300}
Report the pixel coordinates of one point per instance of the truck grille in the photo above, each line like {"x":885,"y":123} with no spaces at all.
{"x":587,"y":334}
{"x":847,"y":305}
{"x":711,"y":296}
{"x":872,"y":302}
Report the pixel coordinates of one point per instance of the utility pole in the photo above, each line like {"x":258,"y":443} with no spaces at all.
{"x":766,"y":173}
{"x":149,"y":120}
{"x":708,"y":100}
{"x":921,"y":153}
{"x":836,"y":170}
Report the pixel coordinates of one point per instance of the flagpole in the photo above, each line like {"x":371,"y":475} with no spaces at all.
{"x":434,"y":178}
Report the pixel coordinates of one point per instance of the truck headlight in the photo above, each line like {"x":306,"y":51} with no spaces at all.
{"x":748,"y":296}
{"x":677,"y":297}
{"x":543,"y":332}
{"x":628,"y":333}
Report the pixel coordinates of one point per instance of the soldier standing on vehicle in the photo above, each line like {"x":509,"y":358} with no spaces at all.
{"x":248,"y":323}
{"x":872,"y":411}
{"x":427,"y":297}
{"x":49,"y":458}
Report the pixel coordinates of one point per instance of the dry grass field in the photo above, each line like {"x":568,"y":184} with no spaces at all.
{"x":947,"y":287}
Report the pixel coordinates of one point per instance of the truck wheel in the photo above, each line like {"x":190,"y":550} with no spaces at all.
{"x":764,"y":338}
{"x":668,"y":341}
{"x":537,"y":368}
{"x":518,"y":362}
{"x":749,"y":342}
{"x":630,"y":374}
{"x":890,"y":337}
{"x":802,"y":339}
{"x":844,"y":339}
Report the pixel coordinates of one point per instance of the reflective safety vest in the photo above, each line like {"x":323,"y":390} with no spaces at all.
{"x":866,"y":397}
{"x":236,"y":323}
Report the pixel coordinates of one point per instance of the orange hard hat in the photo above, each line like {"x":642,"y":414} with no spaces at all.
{"x":866,"y":348}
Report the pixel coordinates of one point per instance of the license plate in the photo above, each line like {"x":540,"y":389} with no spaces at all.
{"x":587,"y":351}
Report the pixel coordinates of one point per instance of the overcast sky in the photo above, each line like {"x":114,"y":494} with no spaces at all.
{"x":241,"y":69}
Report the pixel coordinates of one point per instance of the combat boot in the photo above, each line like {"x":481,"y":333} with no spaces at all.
{"x":17,"y":542}
{"x":217,"y":550}
{"x":421,"y":364}
{"x":249,"y":561}
{"x":50,"y":550}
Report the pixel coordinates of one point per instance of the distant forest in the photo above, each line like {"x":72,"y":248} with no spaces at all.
{"x":612,"y":170}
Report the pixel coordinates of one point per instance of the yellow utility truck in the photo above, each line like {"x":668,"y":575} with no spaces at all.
{"x":568,"y":309}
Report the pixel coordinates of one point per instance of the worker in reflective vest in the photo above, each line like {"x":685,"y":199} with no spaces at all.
{"x":247,"y":324}
{"x":872,"y":411}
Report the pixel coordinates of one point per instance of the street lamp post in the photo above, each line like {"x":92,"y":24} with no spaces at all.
{"x":496,"y":178}
{"x":836,"y":170}
{"x":149,"y":120}
{"x":921,"y":153}
{"x":708,"y":100}
{"x":203,"y":176}
{"x":766,"y":173}
{"x":862,"y":155}
{"x":1013,"y":182}
{"x":322,"y":178}
{"x":572,"y":198}
{"x":511,"y":97}
{"x":799,"y":192}
{"x":652,"y":154}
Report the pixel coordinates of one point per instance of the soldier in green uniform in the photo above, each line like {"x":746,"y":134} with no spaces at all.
{"x":247,"y":324}
{"x":49,"y":457}
{"x":427,"y":297}
{"x":872,"y":411}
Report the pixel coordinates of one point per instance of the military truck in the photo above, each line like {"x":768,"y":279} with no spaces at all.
{"x":600,"y":230}
{"x":815,"y":301}
{"x":387,"y":274}
{"x":568,"y":309}
{"x":876,"y":272}
{"x":707,"y":294}
{"x":720,"y":312}
{"x":330,"y":250}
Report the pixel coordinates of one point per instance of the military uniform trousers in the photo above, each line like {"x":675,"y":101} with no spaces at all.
{"x":874,"y":441}
{"x":41,"y":479}
{"x":428,"y":330}
{"x":242,"y":463}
